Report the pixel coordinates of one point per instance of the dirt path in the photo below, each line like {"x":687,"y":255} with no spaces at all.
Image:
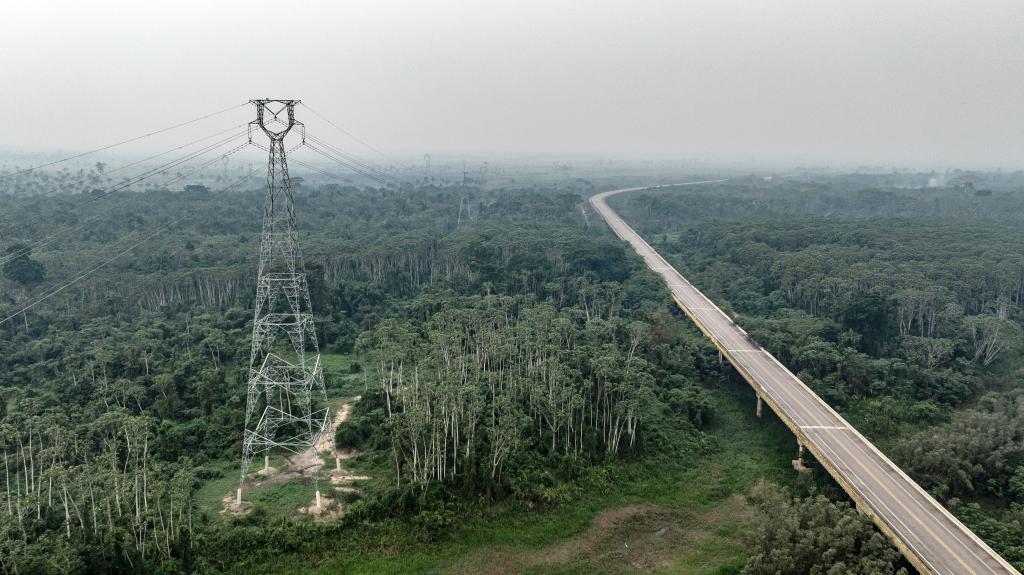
{"x":309,"y":461}
{"x":340,"y":416}
{"x":304,"y":464}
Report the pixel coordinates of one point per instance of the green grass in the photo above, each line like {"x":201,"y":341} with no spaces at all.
{"x":722,"y":555}
{"x":745,"y":450}
{"x":209,"y":497}
{"x":283,"y":499}
{"x":339,"y":379}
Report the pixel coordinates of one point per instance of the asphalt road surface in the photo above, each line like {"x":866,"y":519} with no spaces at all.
{"x":928,"y":535}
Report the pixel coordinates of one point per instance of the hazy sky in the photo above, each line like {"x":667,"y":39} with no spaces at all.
{"x":912,"y":82}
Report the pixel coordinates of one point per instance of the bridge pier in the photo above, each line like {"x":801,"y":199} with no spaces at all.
{"x":719,"y":357}
{"x":757,"y":410}
{"x":798,"y":463}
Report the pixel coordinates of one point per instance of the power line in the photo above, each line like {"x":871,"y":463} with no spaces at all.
{"x":349,"y":157}
{"x":226,"y":154}
{"x":50,"y":239}
{"x":325,"y":173}
{"x":350,"y":135}
{"x":86,"y":273}
{"x":108,"y":261}
{"x":174,"y":149}
{"x":335,"y":154}
{"x":355,"y":168}
{"x":129,"y":140}
{"x":118,"y":169}
{"x":178,"y":161}
{"x":318,"y":170}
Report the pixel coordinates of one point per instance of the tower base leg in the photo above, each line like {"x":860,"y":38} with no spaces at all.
{"x":318,"y":500}
{"x":238,"y":497}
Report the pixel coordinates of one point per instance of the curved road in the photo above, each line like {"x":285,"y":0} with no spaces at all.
{"x":927,"y":534}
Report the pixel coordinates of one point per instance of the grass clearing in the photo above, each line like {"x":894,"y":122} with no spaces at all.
{"x":339,"y":378}
{"x":659,"y":515}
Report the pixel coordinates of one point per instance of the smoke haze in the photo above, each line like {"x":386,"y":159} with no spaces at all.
{"x":912,"y":82}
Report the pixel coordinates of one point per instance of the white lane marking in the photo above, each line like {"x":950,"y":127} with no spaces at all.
{"x":866,"y":490}
{"x":823,"y":427}
{"x":923,"y":498}
{"x":802,"y":390}
{"x":869,"y":456}
{"x":845,"y":468}
{"x":854,"y":478}
{"x":793,"y":414}
{"x":863,"y":487}
{"x":744,"y":350}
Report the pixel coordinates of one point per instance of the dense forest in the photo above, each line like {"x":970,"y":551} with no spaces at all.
{"x":500,"y":344}
{"x":507,"y":367}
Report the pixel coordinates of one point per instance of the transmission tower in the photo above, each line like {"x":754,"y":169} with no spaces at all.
{"x":286,"y":406}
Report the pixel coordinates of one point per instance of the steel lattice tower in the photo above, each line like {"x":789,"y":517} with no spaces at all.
{"x":287,"y":405}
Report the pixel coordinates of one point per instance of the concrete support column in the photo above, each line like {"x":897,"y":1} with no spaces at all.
{"x":758,"y":410}
{"x":266,"y":462}
{"x":318,"y":500}
{"x":719,"y":357}
{"x":798,"y":463}
{"x":238,"y":497}
{"x":337,"y":463}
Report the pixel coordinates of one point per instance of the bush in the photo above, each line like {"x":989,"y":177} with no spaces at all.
{"x":433,"y":524}
{"x":797,"y":536}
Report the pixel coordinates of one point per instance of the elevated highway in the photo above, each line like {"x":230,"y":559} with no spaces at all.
{"x":926,"y":533}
